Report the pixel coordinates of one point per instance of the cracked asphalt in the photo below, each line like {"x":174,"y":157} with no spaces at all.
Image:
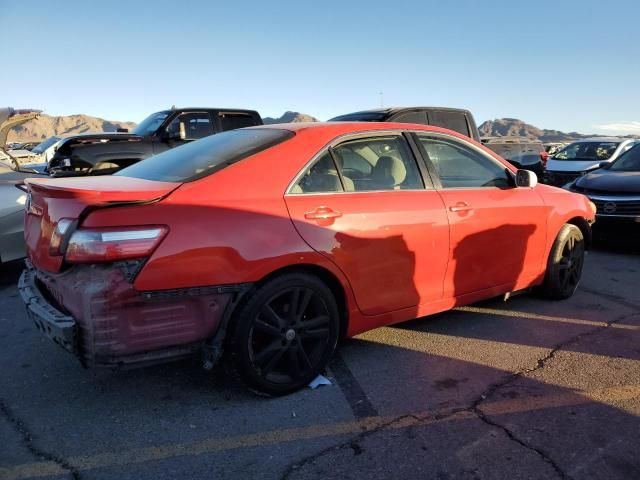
{"x":526,"y":388}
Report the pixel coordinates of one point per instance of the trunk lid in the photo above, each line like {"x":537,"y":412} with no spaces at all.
{"x":50,"y":200}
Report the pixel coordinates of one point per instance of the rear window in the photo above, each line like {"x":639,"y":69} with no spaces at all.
{"x":206,"y":156}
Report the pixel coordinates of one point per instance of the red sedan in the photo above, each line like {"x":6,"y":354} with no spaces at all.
{"x":269,"y":244}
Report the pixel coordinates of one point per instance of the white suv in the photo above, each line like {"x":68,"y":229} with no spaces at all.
{"x":583,"y":156}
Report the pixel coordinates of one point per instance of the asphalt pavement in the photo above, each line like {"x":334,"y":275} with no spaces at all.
{"x":526,"y":388}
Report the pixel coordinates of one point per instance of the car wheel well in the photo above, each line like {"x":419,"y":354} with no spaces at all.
{"x":584,"y":227}
{"x":328,"y":278}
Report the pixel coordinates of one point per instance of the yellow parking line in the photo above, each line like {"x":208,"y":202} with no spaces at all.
{"x":211,"y":445}
{"x":535,"y":316}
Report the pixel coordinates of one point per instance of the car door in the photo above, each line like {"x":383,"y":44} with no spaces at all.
{"x":498,"y":231}
{"x":363,"y":204}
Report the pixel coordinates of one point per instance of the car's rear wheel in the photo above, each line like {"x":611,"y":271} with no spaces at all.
{"x":564,"y":267}
{"x":284,"y":334}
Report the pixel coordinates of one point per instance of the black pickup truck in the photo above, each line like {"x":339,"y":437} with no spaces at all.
{"x":106,"y":153}
{"x":456,"y":119}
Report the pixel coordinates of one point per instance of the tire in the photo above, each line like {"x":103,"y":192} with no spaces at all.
{"x":564,"y":266}
{"x":284,"y":334}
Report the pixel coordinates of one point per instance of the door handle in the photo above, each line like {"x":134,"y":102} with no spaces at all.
{"x":461,"y":207}
{"x":322,"y":213}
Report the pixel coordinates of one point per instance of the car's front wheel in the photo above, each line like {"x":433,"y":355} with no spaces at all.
{"x":564,"y":267}
{"x":284,"y":334}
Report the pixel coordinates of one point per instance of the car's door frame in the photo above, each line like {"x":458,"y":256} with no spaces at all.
{"x":435,"y":292}
{"x":424,"y":157}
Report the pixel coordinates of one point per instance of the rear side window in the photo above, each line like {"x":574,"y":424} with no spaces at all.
{"x":455,"y":121}
{"x":204,"y":157}
{"x":231,"y":121}
{"x":411,"y":117}
{"x":321,"y":177}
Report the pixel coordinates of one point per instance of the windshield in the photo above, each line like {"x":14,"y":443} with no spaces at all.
{"x":150,"y":124}
{"x":41,"y":147}
{"x":629,"y":161}
{"x":206,"y":156}
{"x":595,"y":151}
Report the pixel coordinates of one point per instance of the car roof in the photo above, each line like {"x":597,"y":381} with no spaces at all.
{"x":334,"y":129}
{"x":392,"y":110}
{"x":602,"y":139}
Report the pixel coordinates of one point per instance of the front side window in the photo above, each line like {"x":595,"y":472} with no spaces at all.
{"x":190,"y":126}
{"x":581,"y":151}
{"x":460,"y":166}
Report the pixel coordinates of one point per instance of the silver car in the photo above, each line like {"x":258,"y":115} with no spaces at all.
{"x":583,"y":156}
{"x":12,"y":199}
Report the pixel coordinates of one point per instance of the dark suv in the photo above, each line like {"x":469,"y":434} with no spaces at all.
{"x":455,"y":119}
{"x":522,"y":152}
{"x":106,"y":153}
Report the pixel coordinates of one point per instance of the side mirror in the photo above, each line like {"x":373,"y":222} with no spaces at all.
{"x":604,"y":164}
{"x":526,"y":179}
{"x":179,"y":135}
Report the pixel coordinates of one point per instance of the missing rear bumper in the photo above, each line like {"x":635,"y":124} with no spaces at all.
{"x":94,"y":312}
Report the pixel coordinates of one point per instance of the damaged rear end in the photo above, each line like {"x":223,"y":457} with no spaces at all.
{"x":78,"y":286}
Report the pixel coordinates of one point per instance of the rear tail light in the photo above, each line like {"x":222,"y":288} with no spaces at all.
{"x":92,"y":245}
{"x":59,"y":235}
{"x":544,"y":156}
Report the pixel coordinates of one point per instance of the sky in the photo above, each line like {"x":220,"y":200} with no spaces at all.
{"x":565,"y":64}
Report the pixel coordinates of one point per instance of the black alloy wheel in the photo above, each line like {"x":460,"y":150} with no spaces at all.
{"x":285,"y":334}
{"x":566,"y":260}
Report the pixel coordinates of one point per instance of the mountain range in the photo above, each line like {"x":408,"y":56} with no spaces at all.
{"x":46,"y":126}
{"x":507,"y":127}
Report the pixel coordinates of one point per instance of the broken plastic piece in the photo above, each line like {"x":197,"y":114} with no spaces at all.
{"x":319,"y":380}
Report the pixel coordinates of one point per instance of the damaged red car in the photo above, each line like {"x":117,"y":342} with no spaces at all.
{"x":267,"y":245}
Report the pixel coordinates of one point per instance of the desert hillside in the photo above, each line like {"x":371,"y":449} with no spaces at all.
{"x":503,"y":127}
{"x":46,"y":126}
{"x":290,"y":117}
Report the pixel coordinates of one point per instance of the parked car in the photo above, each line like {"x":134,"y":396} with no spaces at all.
{"x":522,"y":152}
{"x":615,"y":190}
{"x":41,"y":153}
{"x":455,"y":119}
{"x":579,"y":158}
{"x":271,"y":243}
{"x":12,"y":200}
{"x":106,"y":153}
{"x":554,"y":147}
